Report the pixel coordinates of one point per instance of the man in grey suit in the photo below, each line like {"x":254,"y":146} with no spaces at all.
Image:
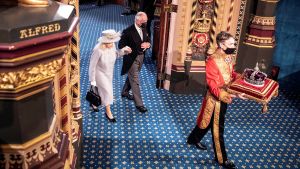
{"x":136,"y":37}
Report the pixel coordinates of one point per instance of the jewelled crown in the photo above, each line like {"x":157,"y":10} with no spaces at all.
{"x":254,"y":76}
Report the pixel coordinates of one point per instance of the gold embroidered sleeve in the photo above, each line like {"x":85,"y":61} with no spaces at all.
{"x":224,"y":96}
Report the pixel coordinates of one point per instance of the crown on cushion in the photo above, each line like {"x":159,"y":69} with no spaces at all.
{"x":254,"y":76}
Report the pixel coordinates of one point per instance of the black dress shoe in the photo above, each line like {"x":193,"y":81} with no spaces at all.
{"x":228,"y":164}
{"x":201,"y":146}
{"x":128,"y":96}
{"x":113,"y":120}
{"x":94,"y":108}
{"x":141,"y":109}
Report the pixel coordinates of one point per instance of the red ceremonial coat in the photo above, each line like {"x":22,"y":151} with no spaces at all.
{"x":219,"y":73}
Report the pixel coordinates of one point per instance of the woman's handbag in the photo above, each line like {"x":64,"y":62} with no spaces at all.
{"x":93,"y":97}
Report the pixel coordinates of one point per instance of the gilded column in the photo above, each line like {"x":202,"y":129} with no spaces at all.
{"x":70,"y":93}
{"x":75,"y":90}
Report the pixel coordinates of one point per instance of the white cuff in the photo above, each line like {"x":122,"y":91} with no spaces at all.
{"x":93,"y":83}
{"x":124,"y":49}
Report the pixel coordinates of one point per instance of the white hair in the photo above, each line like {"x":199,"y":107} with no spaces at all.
{"x":139,"y":15}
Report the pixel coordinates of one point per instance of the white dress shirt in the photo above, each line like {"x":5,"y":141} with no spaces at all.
{"x":139,"y":30}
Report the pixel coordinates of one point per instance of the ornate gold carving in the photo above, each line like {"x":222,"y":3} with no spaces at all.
{"x":38,"y":153}
{"x":75,"y":131}
{"x":202,"y":24}
{"x":264,"y":41}
{"x":34,"y":151}
{"x":33,"y":3}
{"x":266,"y":21}
{"x":74,"y":72}
{"x":75,"y":102}
{"x":30,"y":75}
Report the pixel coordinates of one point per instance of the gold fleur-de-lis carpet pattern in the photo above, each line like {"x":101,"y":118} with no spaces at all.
{"x":157,"y":139}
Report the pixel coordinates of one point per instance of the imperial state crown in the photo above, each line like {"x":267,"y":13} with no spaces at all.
{"x":254,"y":76}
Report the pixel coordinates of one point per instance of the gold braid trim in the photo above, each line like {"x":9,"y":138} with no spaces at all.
{"x":216,"y":132}
{"x":208,"y":110}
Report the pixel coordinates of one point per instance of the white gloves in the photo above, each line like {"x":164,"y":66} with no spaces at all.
{"x":126,"y":50}
{"x":93,"y":83}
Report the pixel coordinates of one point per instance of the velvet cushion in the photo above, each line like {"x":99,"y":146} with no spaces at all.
{"x":261,"y":94}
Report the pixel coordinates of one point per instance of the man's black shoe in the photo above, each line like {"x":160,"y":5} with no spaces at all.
{"x":141,"y":109}
{"x":128,"y":96}
{"x":229,"y":164}
{"x":201,"y":146}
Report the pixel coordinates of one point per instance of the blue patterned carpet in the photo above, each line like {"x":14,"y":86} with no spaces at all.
{"x":157,"y":139}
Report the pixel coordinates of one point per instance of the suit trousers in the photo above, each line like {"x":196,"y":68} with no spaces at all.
{"x":133,"y":82}
{"x":217,"y":134}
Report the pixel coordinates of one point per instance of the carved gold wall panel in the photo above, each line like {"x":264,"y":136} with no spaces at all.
{"x":29,"y":76}
{"x":182,"y":30}
{"x":228,"y":17}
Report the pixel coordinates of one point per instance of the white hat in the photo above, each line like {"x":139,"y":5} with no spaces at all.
{"x":109,"y":36}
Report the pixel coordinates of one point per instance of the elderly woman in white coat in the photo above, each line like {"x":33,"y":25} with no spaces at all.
{"x":102,"y":67}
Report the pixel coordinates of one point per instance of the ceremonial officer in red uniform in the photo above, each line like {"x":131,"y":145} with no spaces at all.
{"x":219,"y":74}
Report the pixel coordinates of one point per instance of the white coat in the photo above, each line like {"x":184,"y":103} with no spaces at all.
{"x":101,"y":70}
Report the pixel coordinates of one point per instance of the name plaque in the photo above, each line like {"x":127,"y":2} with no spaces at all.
{"x":24,"y":23}
{"x":39,"y":31}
